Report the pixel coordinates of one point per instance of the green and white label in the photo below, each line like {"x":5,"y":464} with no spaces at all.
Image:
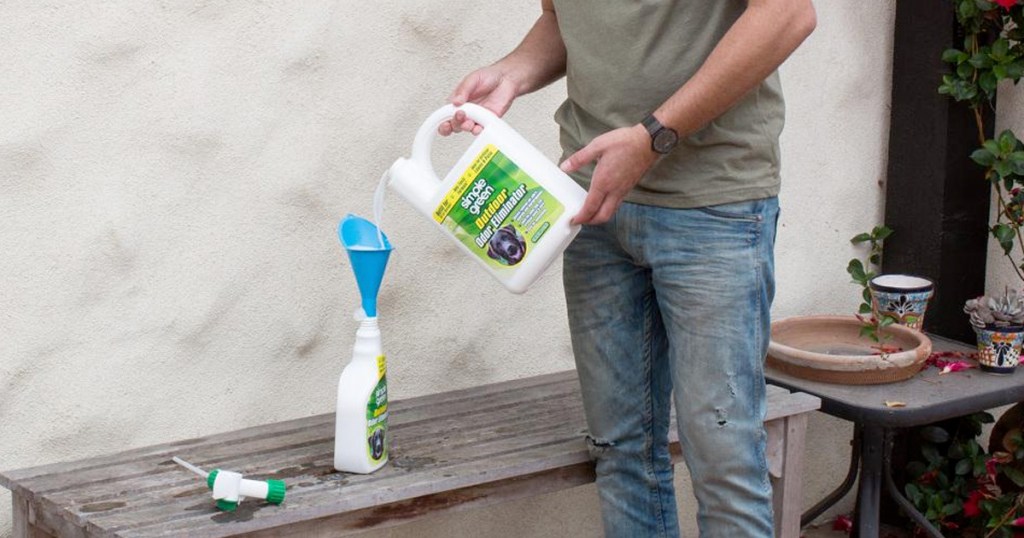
{"x":377,"y":416}
{"x":497,"y":210}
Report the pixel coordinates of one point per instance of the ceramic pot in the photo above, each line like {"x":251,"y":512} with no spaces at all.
{"x":999,"y":348}
{"x":901,"y":297}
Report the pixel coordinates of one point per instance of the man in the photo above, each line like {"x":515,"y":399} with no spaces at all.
{"x":672,"y":123}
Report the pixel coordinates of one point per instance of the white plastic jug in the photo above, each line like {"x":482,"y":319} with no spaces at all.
{"x":504,"y":202}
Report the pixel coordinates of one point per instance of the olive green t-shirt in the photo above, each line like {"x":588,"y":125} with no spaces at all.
{"x":626,"y":57}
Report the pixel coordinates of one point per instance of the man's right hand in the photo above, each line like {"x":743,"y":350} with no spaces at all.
{"x":490,"y":87}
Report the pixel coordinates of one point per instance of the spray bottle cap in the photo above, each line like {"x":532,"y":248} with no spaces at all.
{"x":237,"y":487}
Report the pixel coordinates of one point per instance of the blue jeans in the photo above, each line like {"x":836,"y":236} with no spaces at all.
{"x":670,"y":303}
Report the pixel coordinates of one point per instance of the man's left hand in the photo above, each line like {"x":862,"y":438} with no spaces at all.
{"x":623,"y":157}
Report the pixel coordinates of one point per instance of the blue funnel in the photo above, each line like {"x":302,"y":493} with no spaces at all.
{"x":368,"y":256}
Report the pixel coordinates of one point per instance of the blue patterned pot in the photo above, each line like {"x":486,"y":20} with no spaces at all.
{"x":999,"y":348}
{"x":901,"y":297}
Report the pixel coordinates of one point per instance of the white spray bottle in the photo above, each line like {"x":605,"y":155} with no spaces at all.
{"x":361,"y":425}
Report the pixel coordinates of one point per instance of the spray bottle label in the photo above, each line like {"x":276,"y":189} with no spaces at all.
{"x":497,"y":210}
{"x":377,"y":416}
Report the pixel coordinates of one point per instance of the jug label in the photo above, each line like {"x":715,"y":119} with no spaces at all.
{"x":377,"y":416}
{"x":497,"y":210}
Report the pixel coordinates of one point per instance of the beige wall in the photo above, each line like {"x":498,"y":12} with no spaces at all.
{"x":172,"y":175}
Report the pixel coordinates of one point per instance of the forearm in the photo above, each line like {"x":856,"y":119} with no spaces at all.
{"x":539,"y":59}
{"x":756,"y":44}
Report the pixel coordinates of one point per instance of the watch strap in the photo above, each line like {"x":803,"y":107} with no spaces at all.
{"x":652,"y":125}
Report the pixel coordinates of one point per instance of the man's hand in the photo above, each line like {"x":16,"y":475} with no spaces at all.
{"x":490,"y":87}
{"x":623,"y":157}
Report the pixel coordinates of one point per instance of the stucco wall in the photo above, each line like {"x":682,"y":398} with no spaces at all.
{"x":171,"y":178}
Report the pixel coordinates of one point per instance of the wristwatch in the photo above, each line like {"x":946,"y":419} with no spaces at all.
{"x":663,"y":139}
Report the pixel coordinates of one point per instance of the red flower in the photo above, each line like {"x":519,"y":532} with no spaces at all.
{"x":971,"y":508}
{"x":843,"y":523}
{"x":1007,"y":4}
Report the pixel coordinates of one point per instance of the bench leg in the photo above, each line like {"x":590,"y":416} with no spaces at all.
{"x":23,"y":526}
{"x":789,"y":435}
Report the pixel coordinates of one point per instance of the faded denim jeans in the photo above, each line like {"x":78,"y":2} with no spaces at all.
{"x":673,"y":304}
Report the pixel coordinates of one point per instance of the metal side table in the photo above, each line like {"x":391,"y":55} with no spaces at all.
{"x":929,"y":397}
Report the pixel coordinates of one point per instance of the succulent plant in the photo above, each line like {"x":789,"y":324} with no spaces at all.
{"x":999,"y":311}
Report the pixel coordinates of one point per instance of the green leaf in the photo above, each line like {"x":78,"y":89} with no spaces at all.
{"x":980,"y":60}
{"x":1015,"y":70}
{"x":1005,"y":235}
{"x":1000,"y":49}
{"x":913,"y":493}
{"x":934,"y":434}
{"x":963,"y":467}
{"x":966,"y":70}
{"x":1003,"y":168}
{"x":1007,"y":142}
{"x":864,"y":309}
{"x":952,"y":56}
{"x":983,"y":157}
{"x":866,"y":295}
{"x":886,"y":321}
{"x":856,"y":270}
{"x":1015,"y":475}
{"x":931,"y":454}
{"x":987,"y":81}
{"x":992,"y":146}
{"x":881,"y":232}
{"x":860,"y":238}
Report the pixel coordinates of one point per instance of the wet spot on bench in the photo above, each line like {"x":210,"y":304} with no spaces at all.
{"x":244,"y":512}
{"x":410,"y":463}
{"x":306,"y":469}
{"x":101,"y":507}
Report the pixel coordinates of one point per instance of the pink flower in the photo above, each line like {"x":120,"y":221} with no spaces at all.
{"x":1007,"y":4}
{"x":954,"y":366}
{"x":1019,"y":522}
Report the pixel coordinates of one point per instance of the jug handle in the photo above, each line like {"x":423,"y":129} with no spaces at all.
{"x":424,"y":140}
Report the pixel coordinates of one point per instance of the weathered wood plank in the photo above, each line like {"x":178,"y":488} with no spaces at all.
{"x":788,"y":488}
{"x":546,"y":425}
{"x":399,"y":513}
{"x":487,"y":461}
{"x":24,"y":524}
{"x":420,"y":438}
{"x":449,"y":450}
{"x":497,"y":393}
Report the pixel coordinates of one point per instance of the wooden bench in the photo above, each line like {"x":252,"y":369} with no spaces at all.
{"x":449,"y":451}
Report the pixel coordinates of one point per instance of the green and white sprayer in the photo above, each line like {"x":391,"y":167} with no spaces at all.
{"x":361,"y":427}
{"x":230,"y":488}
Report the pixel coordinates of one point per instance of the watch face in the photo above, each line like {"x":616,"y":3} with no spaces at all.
{"x":665,"y":140}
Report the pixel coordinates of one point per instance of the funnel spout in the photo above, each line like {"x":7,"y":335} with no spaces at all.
{"x":368,"y":251}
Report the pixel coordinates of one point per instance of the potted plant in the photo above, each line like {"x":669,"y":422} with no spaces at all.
{"x":992,"y":52}
{"x":869,"y":348}
{"x":998,"y":323}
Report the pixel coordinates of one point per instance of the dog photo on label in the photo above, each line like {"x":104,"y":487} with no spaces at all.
{"x":377,"y":443}
{"x":507,"y":246}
